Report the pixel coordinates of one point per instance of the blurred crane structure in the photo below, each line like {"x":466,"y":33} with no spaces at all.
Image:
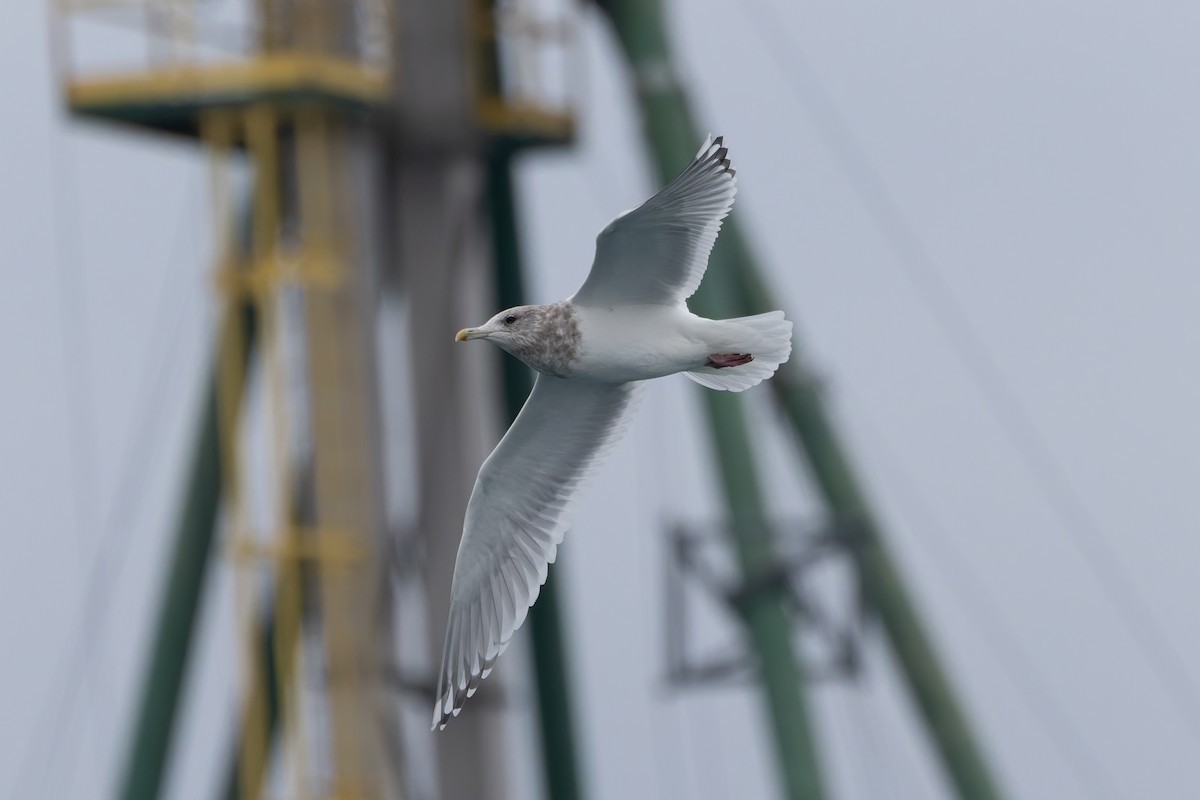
{"x":668,"y":124}
{"x":355,"y":158}
{"x":361,"y":156}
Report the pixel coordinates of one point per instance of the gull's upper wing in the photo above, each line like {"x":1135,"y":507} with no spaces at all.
{"x":518,"y":511}
{"x":657,"y":253}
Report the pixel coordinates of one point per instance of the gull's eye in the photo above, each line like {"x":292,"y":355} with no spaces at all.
{"x":510,"y":319}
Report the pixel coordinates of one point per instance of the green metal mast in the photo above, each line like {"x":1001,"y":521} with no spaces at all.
{"x":763,"y":609}
{"x":882,"y":586}
{"x":155,"y":723}
{"x":671,"y":133}
{"x":559,"y":753}
{"x":667,"y":124}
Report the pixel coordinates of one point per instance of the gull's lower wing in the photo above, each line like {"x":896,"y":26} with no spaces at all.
{"x":518,"y":511}
{"x":657,"y":253}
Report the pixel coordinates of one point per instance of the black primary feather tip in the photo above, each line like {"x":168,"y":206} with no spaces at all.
{"x":722,"y":156}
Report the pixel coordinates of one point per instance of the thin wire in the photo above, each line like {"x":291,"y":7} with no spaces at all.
{"x":73,"y":340}
{"x":873,"y":758}
{"x":717,"y":779}
{"x":1080,"y":526}
{"x":73,"y":337}
{"x":106,"y":568}
{"x":870,"y":734}
{"x":841,"y":738}
{"x":657,"y":702}
{"x":78,"y":661}
{"x":1018,"y":665}
{"x":677,"y":711}
{"x":915,"y":777}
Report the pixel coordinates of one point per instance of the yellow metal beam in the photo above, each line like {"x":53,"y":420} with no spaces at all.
{"x":336,"y":541}
{"x":304,"y":544}
{"x":250,"y":78}
{"x":342,"y":395}
{"x":514,"y":119}
{"x":174,"y":96}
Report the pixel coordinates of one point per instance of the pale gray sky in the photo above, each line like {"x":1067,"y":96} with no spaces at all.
{"x":1043,"y":154}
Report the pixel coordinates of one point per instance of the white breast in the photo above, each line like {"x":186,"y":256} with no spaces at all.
{"x":632,"y":343}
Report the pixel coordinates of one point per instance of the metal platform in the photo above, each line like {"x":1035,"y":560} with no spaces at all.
{"x":524,"y":125}
{"x":177,"y":61}
{"x":173,"y":98}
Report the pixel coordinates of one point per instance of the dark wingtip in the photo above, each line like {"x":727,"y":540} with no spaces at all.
{"x":721,"y":156}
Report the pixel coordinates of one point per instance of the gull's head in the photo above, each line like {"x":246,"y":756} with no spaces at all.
{"x":510,"y":326}
{"x":544,"y":337}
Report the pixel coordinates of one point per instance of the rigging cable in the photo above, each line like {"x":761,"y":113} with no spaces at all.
{"x":1017,"y":664}
{"x":878,"y":744}
{"x":861,"y":768}
{"x":73,"y":340}
{"x":918,"y":777}
{"x":1080,"y":526}
{"x":112,"y":550}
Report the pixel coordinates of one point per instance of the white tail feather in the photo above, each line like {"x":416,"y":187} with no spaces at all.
{"x":767,"y":337}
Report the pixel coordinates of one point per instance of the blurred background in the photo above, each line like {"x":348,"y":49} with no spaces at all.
{"x":949,"y":552}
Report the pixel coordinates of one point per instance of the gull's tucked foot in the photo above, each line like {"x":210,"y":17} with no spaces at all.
{"x":720,"y":360}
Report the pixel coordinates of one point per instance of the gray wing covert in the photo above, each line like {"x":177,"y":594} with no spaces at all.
{"x":657,"y":253}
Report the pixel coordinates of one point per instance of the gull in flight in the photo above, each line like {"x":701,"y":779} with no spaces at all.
{"x":593,"y":353}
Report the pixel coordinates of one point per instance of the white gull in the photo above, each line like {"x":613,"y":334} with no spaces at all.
{"x":593,"y":352}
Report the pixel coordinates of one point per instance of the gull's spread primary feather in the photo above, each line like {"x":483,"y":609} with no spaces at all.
{"x":593,"y":352}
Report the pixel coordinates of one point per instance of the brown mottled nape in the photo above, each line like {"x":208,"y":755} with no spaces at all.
{"x":546,"y":338}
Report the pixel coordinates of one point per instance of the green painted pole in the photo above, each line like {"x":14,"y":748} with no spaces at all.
{"x":670,"y":134}
{"x":883,"y":588}
{"x":267,"y":633}
{"x":560,"y":756}
{"x":157,"y":710}
{"x":763,"y":607}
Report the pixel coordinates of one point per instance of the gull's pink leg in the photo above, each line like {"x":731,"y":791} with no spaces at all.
{"x":720,"y":360}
